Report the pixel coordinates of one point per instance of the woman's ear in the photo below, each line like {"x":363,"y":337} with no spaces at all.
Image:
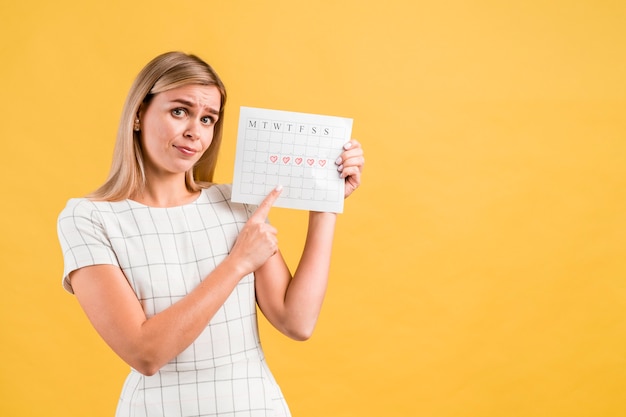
{"x":137,"y":121}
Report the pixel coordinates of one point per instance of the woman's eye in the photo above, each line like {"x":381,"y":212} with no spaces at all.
{"x":207,"y":120}
{"x":178,"y":112}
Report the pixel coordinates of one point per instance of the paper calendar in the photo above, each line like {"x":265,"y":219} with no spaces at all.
{"x":295,"y":150}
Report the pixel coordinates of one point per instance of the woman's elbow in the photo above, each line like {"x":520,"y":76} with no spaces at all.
{"x":301,"y":337}
{"x":300,"y":332}
{"x":146,"y":362}
{"x":146,"y":368}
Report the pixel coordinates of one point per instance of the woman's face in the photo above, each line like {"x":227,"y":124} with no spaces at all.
{"x":177,"y":128}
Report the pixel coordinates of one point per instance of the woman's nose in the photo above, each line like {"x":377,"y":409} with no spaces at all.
{"x":193,"y":129}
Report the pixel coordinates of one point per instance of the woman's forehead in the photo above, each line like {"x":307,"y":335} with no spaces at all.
{"x":194,"y":95}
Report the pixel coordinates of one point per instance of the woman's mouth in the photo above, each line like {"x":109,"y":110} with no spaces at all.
{"x":186,"y":151}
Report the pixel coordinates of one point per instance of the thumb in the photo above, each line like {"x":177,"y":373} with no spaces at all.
{"x":261,"y":213}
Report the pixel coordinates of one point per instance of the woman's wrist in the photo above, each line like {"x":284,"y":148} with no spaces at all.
{"x":234,"y":267}
{"x":323,"y":214}
{"x":321,"y":219}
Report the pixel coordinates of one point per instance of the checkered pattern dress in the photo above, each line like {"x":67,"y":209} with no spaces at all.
{"x":165,"y":253}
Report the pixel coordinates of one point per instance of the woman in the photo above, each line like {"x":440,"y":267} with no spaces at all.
{"x":168,"y":269}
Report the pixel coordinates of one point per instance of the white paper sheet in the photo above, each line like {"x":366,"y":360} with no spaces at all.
{"x":295,"y":150}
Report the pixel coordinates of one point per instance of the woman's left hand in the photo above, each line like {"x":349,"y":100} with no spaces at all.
{"x":350,"y":165}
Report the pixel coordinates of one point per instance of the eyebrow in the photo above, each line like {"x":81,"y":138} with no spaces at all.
{"x":191,"y":104}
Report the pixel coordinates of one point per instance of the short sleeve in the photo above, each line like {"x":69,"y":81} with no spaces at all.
{"x":83,"y":238}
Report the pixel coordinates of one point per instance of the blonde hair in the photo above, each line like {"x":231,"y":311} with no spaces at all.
{"x":165,"y":72}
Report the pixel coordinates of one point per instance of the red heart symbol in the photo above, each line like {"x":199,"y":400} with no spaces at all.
{"x":298,"y":161}
{"x":322,"y":162}
{"x":286,"y":159}
{"x":273,"y":158}
{"x":310,"y":161}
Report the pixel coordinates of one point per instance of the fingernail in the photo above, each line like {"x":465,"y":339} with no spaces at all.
{"x":338,"y":161}
{"x":347,"y":145}
{"x":340,"y":168}
{"x":279,"y":187}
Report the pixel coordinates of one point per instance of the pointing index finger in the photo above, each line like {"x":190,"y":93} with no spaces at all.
{"x":263,"y":210}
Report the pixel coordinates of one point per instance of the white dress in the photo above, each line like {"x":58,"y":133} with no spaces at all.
{"x":165,"y":253}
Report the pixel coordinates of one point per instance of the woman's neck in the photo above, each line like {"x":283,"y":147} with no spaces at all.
{"x":165,"y":194}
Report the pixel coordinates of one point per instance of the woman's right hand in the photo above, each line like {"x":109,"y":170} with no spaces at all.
{"x":257,"y":241}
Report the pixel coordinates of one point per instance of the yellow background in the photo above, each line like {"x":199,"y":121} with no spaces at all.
{"x":479,"y":271}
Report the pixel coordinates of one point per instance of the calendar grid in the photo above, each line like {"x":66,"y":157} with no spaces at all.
{"x":295,"y":150}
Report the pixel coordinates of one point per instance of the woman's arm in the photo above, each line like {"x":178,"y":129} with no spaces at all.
{"x":293,"y":304}
{"x":147,"y":344}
